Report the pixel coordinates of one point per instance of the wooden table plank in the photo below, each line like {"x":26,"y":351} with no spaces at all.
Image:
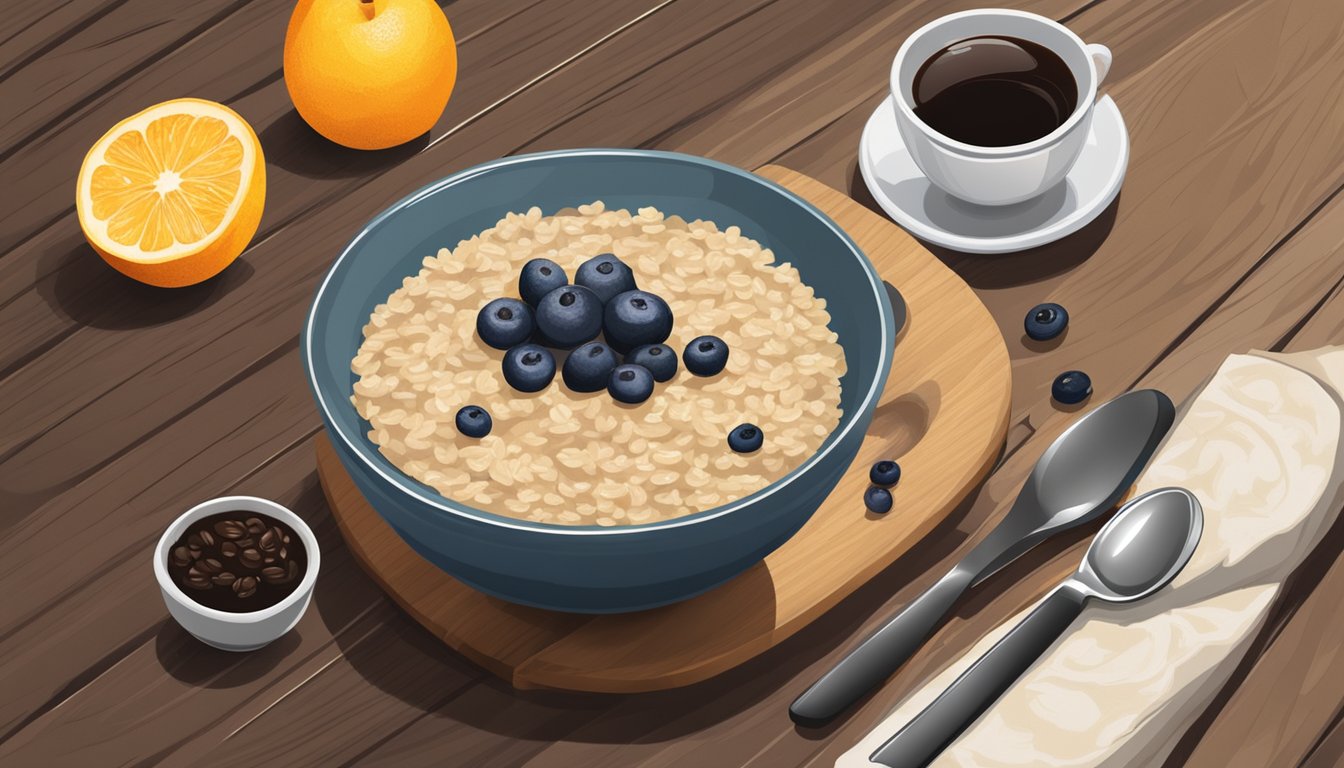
{"x":727,"y":120}
{"x":58,"y":78}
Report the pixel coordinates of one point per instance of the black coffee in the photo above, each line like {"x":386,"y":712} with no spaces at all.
{"x":995,"y":91}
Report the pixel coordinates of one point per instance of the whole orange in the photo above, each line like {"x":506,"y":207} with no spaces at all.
{"x":370,"y":74}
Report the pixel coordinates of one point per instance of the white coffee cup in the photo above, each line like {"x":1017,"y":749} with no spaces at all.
{"x":997,"y":175}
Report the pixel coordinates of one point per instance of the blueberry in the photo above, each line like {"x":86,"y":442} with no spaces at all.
{"x":529,"y":367}
{"x":658,"y":358}
{"x":473,"y":421}
{"x":705,"y":355}
{"x":635,"y":318}
{"x":569,"y":316}
{"x":1071,"y":387}
{"x":885,"y":473}
{"x":1046,"y":321}
{"x":746,"y":438}
{"x":605,"y":275}
{"x":877,"y":499}
{"x":630,"y":383}
{"x":589,"y":367}
{"x":504,"y":323}
{"x":538,"y":278}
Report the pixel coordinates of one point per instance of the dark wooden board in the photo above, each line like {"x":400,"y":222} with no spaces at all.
{"x":124,"y":405}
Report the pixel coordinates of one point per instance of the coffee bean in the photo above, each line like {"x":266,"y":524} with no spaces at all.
{"x":230,"y":529}
{"x":239,"y":555}
{"x":181,"y":556}
{"x":196,"y":579}
{"x":245,"y":587}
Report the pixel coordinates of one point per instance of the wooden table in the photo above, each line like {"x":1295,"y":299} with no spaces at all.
{"x":123,"y":405}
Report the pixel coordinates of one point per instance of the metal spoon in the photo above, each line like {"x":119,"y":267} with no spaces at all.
{"x":1079,"y":477}
{"x":1137,"y":553}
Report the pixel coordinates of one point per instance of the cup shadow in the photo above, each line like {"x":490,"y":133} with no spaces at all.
{"x":1008,"y":270}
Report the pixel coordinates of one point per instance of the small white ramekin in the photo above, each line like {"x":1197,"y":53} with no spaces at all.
{"x":223,"y":629}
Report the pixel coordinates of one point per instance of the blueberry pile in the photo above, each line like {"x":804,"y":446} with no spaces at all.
{"x":614,"y":334}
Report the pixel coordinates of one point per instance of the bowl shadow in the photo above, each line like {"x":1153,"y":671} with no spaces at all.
{"x":194,"y":663}
{"x":416,"y":667}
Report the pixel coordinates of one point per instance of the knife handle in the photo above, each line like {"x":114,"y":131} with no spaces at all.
{"x":976,"y":689}
{"x":881,"y":654}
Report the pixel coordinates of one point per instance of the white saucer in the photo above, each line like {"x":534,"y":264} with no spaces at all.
{"x":934,"y":216}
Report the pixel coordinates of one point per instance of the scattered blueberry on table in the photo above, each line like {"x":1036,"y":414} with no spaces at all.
{"x":877,"y":499}
{"x":538,"y":278}
{"x":505,"y":323}
{"x":630,"y":383}
{"x":473,"y":421}
{"x":705,"y":355}
{"x":635,"y":318}
{"x":529,"y":367}
{"x":1046,"y":321}
{"x":588,"y":368}
{"x":746,"y":438}
{"x":885,"y":473}
{"x":658,"y":358}
{"x":568,"y":316}
{"x":606,"y":276}
{"x":1071,"y":387}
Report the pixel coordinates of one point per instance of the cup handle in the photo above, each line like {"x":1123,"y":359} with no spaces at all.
{"x":1101,"y":59}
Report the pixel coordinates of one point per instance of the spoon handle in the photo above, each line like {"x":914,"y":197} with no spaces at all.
{"x":881,"y":654}
{"x":982,"y":684}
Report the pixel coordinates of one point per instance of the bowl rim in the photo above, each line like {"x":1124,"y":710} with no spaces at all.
{"x":227,"y":504}
{"x":439,"y":502}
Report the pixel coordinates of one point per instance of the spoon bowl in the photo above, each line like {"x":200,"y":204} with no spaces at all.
{"x":1142,"y":549}
{"x":1137,"y":553}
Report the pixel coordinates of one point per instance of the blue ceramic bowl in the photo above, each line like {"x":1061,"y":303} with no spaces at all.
{"x":592,"y":569}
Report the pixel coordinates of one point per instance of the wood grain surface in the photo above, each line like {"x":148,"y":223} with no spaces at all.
{"x":943,"y":415}
{"x":125,"y":405}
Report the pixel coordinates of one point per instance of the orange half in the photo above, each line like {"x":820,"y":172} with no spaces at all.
{"x":172,"y":195}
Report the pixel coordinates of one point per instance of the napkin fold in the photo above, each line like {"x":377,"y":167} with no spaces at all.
{"x":1260,"y":446}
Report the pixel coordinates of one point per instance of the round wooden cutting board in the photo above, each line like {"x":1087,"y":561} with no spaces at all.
{"x":943,"y":415}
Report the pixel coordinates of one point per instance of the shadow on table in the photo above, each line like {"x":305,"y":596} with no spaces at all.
{"x":82,"y":287}
{"x":195,"y":663}
{"x":293,"y":145}
{"x":1010,"y":269}
{"x":406,"y":655}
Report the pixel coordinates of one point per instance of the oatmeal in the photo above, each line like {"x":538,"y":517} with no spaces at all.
{"x":585,"y":458}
